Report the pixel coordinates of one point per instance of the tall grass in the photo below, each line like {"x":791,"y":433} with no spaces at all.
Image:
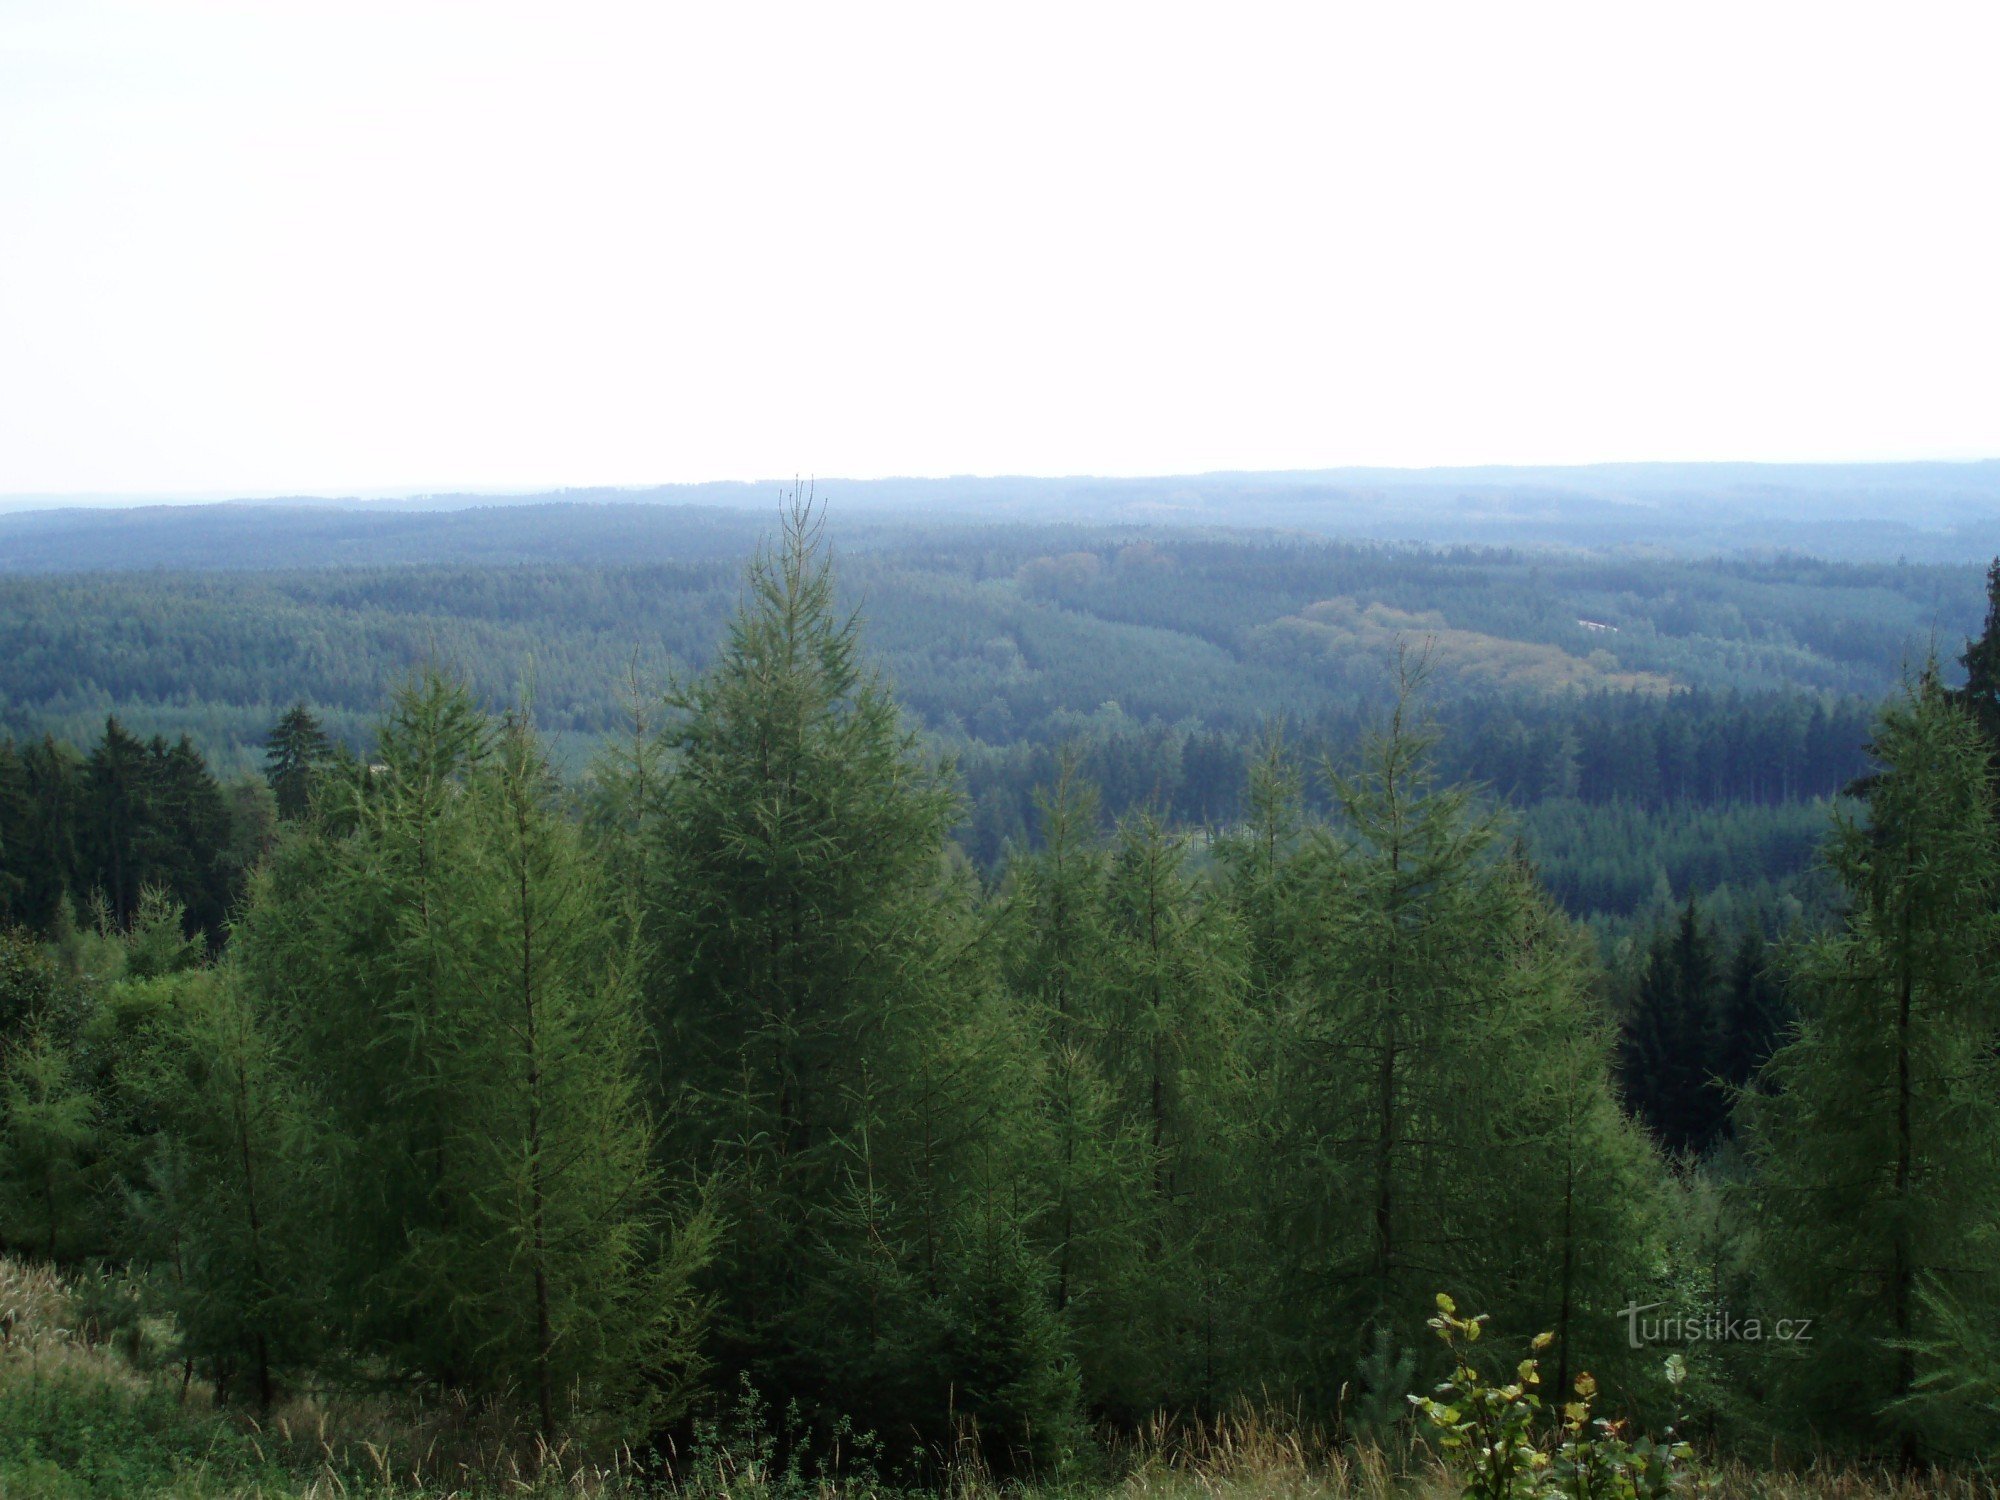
{"x":84,"y":1413}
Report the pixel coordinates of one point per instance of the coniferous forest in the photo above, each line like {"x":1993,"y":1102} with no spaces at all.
{"x":776,"y":1087}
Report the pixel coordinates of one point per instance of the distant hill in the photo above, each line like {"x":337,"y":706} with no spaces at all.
{"x":1922,"y":512}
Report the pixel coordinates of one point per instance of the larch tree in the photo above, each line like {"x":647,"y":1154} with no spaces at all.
{"x":1096,"y":1179}
{"x":1166,"y":1022}
{"x":1447,"y":1114}
{"x":461,"y":989}
{"x":565,"y":1264}
{"x":1875,"y":1133}
{"x":827,"y":1057}
{"x":229,"y":1194}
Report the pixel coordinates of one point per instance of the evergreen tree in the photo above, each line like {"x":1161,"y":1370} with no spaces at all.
{"x":1981,"y":660}
{"x":1671,"y":1066}
{"x":189,"y":839}
{"x":41,"y":839}
{"x":1166,"y":1020}
{"x":1444,"y":1107}
{"x":13,"y":824}
{"x":449,"y":958}
{"x":827,"y":1050}
{"x":50,"y":1182}
{"x":228,"y":1198}
{"x":1876,"y":1140}
{"x":296,"y":753}
{"x":1097,"y":1156}
{"x":118,"y":779}
{"x":1754,"y":1013}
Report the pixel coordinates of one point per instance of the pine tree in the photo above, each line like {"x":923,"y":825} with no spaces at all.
{"x":1876,"y":1136}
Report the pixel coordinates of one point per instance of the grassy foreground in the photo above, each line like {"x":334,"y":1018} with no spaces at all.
{"x":86,"y":1411}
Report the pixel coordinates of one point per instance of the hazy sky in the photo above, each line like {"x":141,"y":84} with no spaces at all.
{"x":283,"y":246}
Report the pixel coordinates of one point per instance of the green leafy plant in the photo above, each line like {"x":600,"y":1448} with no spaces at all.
{"x":1508,"y":1453}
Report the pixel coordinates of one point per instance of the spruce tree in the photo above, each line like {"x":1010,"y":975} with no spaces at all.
{"x":118,"y":779}
{"x":296,"y":753}
{"x":1671,"y":1065}
{"x":1876,"y":1132}
{"x":43,"y":844}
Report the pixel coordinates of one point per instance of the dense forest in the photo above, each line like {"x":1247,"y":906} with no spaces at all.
{"x":746,"y":1063}
{"x":1666,"y":726}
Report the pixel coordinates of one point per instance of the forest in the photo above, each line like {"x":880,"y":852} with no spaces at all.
{"x":814,"y":1075}
{"x":1665,"y":725}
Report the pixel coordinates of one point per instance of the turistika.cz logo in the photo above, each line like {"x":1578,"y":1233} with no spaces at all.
{"x":1715,"y":1325}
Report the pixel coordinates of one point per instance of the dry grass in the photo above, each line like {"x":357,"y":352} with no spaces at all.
{"x":321,"y":1446}
{"x":1251,"y":1454}
{"x":41,"y":1334}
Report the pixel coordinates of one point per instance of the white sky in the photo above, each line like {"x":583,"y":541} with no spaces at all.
{"x":282,"y":246}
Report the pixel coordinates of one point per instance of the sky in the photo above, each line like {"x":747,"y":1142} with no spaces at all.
{"x":281,"y":246}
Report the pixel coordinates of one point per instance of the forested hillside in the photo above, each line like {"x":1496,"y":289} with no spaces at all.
{"x":719,"y":1080}
{"x":1668,"y":725}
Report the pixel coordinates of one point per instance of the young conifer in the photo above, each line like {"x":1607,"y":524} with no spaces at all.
{"x":1876,"y":1131}
{"x":1447,"y":1107}
{"x":228,"y":1202}
{"x":451,"y":962}
{"x":824,"y":1026}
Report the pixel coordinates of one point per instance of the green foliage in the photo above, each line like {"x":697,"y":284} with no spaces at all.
{"x":50,"y":1185}
{"x":227,"y":1201}
{"x":1441,"y":1091}
{"x":492,"y":1219}
{"x":830,"y":1052}
{"x":1494,"y":1431}
{"x":30,"y":989}
{"x":1376,"y":1405}
{"x":68,"y":1434}
{"x":1876,"y":1130}
{"x":579,"y":1107}
{"x":295,"y":755}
